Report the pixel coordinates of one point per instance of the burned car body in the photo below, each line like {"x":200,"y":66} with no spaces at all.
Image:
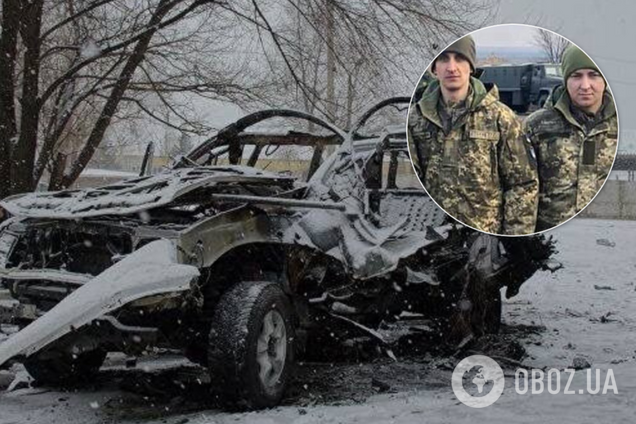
{"x":241,"y":267}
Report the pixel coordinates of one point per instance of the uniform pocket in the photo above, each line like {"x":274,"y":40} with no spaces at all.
{"x":494,"y":165}
{"x":589,"y":152}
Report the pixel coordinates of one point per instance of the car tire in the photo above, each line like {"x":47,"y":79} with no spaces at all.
{"x":66,"y":368}
{"x":251,"y":346}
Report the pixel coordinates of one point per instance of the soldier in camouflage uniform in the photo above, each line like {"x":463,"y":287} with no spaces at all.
{"x":575,"y":139}
{"x":469,"y":152}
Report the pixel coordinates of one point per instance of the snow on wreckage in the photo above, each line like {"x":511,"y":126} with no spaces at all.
{"x":243,"y":265}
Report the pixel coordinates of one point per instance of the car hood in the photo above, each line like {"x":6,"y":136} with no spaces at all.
{"x":151,"y":270}
{"x":136,"y":195}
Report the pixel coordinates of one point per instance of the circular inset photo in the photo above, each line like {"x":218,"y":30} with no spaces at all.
{"x":512,"y":130}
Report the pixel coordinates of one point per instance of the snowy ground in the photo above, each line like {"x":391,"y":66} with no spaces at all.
{"x":586,"y":309}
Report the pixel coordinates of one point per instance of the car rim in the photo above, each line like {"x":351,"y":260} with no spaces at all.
{"x":271,"y":348}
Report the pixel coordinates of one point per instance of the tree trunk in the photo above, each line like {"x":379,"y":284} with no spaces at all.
{"x":57,"y":172}
{"x":97,"y":134}
{"x":331,"y":64}
{"x":8,"y":53}
{"x":331,"y":70}
{"x":23,"y":157}
{"x":350,"y":96}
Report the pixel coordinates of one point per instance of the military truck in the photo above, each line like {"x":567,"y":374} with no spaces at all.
{"x":521,"y":86}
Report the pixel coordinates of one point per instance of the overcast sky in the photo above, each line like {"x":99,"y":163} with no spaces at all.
{"x":506,"y":36}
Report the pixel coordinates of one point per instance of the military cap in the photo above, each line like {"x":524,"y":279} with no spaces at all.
{"x":575,"y":59}
{"x":466,"y":47}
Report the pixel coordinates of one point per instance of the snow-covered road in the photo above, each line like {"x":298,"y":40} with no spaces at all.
{"x":587,"y":309}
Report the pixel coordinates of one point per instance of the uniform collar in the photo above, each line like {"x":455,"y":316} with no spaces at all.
{"x":564,"y":103}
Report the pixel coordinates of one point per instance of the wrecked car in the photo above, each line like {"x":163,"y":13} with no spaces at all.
{"x":243,"y":253}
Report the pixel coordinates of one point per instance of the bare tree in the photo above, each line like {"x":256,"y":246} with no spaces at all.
{"x":339,"y":55}
{"x":553,"y":45}
{"x":71,"y":70}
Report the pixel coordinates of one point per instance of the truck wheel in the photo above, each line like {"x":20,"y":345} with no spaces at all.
{"x":65,"y":368}
{"x":251,"y":348}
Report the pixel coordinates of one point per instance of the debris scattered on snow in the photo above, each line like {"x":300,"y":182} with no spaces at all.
{"x":606,"y":318}
{"x":580,"y":362}
{"x":573,"y":313}
{"x":380,"y":386}
{"x":605,"y":242}
{"x":553,"y":265}
{"x":597,"y":287}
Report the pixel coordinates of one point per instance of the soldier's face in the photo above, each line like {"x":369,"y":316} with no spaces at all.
{"x":453,"y":71}
{"x":586,"y":87}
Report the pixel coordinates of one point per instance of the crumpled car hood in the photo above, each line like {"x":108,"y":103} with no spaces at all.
{"x":149,"y":271}
{"x":133,"y":196}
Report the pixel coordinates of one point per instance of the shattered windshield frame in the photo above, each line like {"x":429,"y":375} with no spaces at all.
{"x":247,"y":148}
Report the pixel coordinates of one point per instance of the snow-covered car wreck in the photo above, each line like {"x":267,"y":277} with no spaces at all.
{"x":240,"y":266}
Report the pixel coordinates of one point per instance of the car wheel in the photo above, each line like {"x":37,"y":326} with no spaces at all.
{"x":65,"y":368}
{"x":251,"y":347}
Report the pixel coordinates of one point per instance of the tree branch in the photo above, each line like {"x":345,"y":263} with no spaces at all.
{"x":150,"y":30}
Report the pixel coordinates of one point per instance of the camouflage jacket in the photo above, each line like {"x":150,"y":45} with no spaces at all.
{"x":482,"y":172}
{"x":574,"y":157}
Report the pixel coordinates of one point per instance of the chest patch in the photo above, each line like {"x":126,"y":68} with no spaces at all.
{"x":486,"y":135}
{"x":550,"y":126}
